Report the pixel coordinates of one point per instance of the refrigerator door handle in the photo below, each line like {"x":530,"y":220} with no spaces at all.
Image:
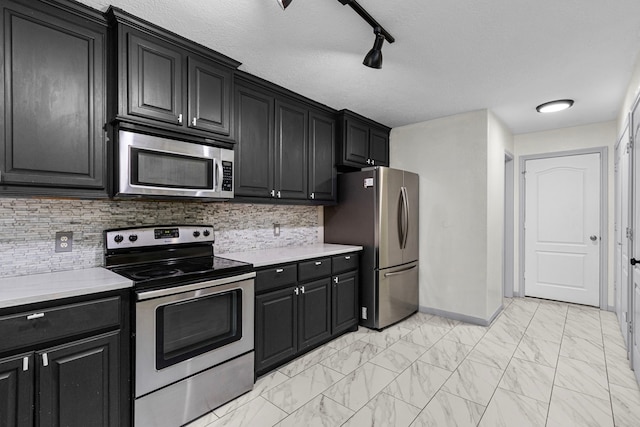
{"x":405,"y":213}
{"x":395,"y":273}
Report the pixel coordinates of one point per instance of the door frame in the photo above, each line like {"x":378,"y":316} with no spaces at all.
{"x":508,"y":251}
{"x":604,"y":210}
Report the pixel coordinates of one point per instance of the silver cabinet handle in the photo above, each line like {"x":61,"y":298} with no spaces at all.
{"x":193,"y":122}
{"x":335,"y":279}
{"x":347,"y":257}
{"x":273,"y":193}
{"x":302,"y":289}
{"x":313,"y":196}
{"x":296,"y":291}
{"x":180,"y":118}
{"x":279,"y":270}
{"x":25,"y":363}
{"x":45,"y":359}
{"x":318,"y":262}
{"x":368,"y":161}
{"x":395,"y":273}
{"x":373,"y":162}
{"x":279,"y":195}
{"x":35,"y":316}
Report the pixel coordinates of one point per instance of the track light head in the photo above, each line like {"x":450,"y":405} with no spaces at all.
{"x":284,"y":3}
{"x":374,"y":57}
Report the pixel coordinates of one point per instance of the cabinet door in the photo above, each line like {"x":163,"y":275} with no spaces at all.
{"x":54,"y":104}
{"x":16,"y":391}
{"x":344,"y":302}
{"x":356,"y":143}
{"x":254,"y":152}
{"x":379,"y":147}
{"x":291,"y":151}
{"x":78,"y":383}
{"x":276,"y":327}
{"x":154,"y":79}
{"x":322,"y":170}
{"x":209,"y":88}
{"x":313,"y":312}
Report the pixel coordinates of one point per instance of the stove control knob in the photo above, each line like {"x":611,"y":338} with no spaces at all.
{"x":196,"y":234}
{"x":206,"y":233}
{"x":133,"y":238}
{"x":118,"y":238}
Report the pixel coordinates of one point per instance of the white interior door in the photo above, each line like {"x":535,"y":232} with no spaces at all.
{"x":622,"y":242}
{"x":562,"y":228}
{"x":635,"y":247}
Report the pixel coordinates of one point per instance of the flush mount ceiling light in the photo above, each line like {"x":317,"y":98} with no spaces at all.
{"x":374,"y":57}
{"x":284,"y":3}
{"x":553,"y":106}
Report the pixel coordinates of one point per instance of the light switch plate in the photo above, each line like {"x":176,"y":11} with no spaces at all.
{"x":64,"y":241}
{"x":276,"y":229}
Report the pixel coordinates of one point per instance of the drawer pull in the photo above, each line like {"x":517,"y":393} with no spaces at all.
{"x":35,"y":316}
{"x":335,"y":279}
{"x":45,"y":359}
{"x":302,"y":289}
{"x":318,"y":262}
{"x":347,"y":257}
{"x":25,"y":363}
{"x":279,"y":270}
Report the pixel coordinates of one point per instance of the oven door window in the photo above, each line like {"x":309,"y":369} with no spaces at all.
{"x":171,"y":170}
{"x":189,"y":328}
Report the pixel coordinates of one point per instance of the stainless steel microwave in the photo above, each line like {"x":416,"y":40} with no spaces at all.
{"x":159,"y":167}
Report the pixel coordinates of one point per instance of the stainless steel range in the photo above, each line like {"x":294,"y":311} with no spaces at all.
{"x":192,"y":321}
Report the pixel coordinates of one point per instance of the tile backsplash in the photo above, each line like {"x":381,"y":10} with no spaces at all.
{"x":28,"y":227}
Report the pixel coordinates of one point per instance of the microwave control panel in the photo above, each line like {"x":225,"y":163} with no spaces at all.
{"x":227,"y":176}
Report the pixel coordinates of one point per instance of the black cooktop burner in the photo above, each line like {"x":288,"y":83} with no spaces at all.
{"x":163,"y":273}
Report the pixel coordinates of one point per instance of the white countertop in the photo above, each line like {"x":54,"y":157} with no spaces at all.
{"x":263,"y":257}
{"x":34,"y":288}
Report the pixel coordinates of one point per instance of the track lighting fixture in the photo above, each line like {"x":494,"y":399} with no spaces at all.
{"x":284,"y":3}
{"x":374,"y":57}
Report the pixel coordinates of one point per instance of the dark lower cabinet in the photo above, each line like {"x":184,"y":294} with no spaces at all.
{"x":314,"y":314}
{"x":295,"y":313}
{"x":276,"y":333}
{"x":344,"y":302}
{"x":78,"y":383}
{"x":53,"y":99}
{"x":16,"y":391}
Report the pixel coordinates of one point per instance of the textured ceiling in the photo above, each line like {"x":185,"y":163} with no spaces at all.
{"x":449,"y":56}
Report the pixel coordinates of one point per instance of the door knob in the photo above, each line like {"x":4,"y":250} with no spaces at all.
{"x":633,"y":261}
{"x":593,"y":238}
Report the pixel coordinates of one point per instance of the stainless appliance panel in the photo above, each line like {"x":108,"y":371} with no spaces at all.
{"x":148,"y":377}
{"x":179,"y":404}
{"x":222,"y":159}
{"x":390,"y":216}
{"x":410,"y":251}
{"x":398,"y":294}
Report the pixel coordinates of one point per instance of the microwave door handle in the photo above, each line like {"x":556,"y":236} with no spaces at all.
{"x":217,"y":174}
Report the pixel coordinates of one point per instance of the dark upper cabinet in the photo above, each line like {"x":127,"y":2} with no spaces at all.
{"x":170,"y":83}
{"x":362,"y":142}
{"x":53,"y":96}
{"x":78,"y":385}
{"x":322,"y":147}
{"x":255,"y":150}
{"x":286,"y":148}
{"x":276,"y":328}
{"x":16,"y":391}
{"x":154,"y":79}
{"x":291,"y":150}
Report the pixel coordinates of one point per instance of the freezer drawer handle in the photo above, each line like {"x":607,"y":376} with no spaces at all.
{"x":35,"y":316}
{"x":395,"y":273}
{"x":318,"y":262}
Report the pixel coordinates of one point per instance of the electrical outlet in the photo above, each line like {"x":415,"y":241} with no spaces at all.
{"x":64,"y":241}
{"x":276,"y":229}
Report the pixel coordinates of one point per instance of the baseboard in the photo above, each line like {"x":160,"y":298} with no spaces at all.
{"x":461,"y":317}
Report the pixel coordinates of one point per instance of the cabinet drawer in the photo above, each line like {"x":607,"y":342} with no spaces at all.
{"x":315,"y":269}
{"x":342,"y":263}
{"x":275,"y":277}
{"x":31,"y":328}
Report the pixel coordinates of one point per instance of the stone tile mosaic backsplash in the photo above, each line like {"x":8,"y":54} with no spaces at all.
{"x":28,"y":227}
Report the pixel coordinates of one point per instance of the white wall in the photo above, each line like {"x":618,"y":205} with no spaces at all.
{"x":567,"y":139}
{"x":633,"y":89}
{"x":452,"y":155}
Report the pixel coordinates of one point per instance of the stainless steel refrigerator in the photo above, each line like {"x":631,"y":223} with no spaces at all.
{"x":378,"y":209}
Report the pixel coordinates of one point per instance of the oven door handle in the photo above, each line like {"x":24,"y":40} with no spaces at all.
{"x":145,"y":295}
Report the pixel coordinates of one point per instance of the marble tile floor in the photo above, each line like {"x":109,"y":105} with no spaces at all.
{"x":541,"y":363}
